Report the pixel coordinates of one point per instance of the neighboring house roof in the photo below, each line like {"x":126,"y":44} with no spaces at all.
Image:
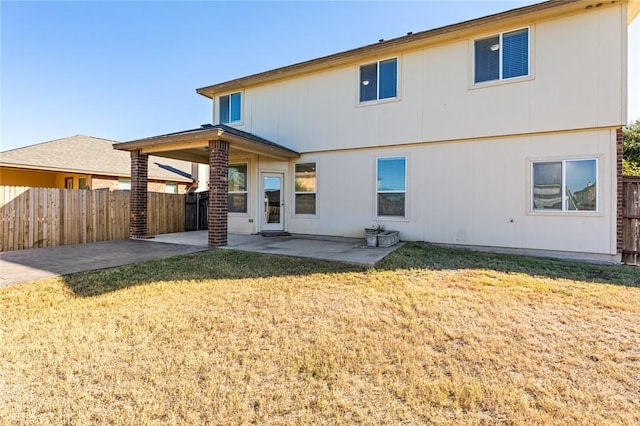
{"x":522,"y":15}
{"x":89,"y":155}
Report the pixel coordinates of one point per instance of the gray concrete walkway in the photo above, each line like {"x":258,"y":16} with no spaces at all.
{"x":349,"y":250}
{"x":34,"y":264}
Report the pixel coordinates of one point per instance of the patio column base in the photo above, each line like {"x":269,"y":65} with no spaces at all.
{"x":138,"y":197}
{"x":218,"y":190}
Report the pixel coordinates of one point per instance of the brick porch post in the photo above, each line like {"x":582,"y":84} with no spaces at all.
{"x":138,"y":202}
{"x":218,"y":190}
{"x":619,"y":194}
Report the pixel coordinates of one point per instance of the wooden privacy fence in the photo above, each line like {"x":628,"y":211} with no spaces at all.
{"x":46,"y":217}
{"x":631,"y":220}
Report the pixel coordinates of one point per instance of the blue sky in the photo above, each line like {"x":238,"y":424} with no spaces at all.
{"x":127,"y":70}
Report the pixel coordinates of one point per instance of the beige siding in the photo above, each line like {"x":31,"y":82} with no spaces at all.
{"x":246,"y":223}
{"x":469,"y":147}
{"x":576,"y":82}
{"x":633,"y":71}
{"x":468,"y":193}
{"x":579,"y":72}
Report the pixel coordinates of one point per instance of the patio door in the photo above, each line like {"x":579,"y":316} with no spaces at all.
{"x":273,"y":202}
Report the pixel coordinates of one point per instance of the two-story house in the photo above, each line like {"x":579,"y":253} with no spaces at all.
{"x":499,"y":132}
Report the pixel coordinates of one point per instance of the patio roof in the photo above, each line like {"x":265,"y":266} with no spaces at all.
{"x":192,"y":145}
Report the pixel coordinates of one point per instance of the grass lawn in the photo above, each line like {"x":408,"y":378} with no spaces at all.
{"x":225,"y":337}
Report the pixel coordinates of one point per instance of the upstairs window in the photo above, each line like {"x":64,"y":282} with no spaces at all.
{"x":379,"y":80}
{"x":305,"y":190}
{"x":237,"y":178}
{"x":568,"y":185}
{"x":502,"y":56}
{"x":391,"y":188}
{"x":230,"y":108}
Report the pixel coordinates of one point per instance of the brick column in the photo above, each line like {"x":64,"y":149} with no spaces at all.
{"x":138,"y":203}
{"x":218,"y":192}
{"x":619,"y":195}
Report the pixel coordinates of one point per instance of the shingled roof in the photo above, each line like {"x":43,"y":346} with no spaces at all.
{"x":90,"y":155}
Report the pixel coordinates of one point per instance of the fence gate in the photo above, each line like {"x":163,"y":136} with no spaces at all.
{"x":196,"y":206}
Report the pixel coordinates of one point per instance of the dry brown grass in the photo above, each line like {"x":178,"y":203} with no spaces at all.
{"x":300,"y":342}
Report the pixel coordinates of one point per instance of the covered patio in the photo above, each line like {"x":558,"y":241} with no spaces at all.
{"x":209,"y":144}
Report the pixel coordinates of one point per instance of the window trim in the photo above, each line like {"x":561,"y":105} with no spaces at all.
{"x":240,"y":121}
{"x":168,"y":185}
{"x":295,"y":192}
{"x":500,"y":80}
{"x":378,"y":100}
{"x":124,"y":182}
{"x":377,"y":216}
{"x":563,"y":212}
{"x":245,"y":192}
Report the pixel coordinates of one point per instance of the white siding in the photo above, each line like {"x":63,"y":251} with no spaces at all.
{"x":576,"y":82}
{"x":633,"y":71}
{"x":470,"y":193}
{"x":468,"y":148}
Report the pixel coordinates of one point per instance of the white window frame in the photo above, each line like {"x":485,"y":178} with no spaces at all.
{"x":228,"y":95}
{"x":377,"y":98}
{"x":124,"y":184}
{"x":405,"y":191}
{"x":295,"y":192}
{"x":245,"y":192}
{"x":563,"y":191}
{"x":168,"y":185}
{"x":500,"y":79}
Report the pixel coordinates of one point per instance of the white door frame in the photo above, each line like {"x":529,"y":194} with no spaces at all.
{"x":276,"y":217}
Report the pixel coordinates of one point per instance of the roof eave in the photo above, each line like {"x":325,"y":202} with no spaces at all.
{"x":634,"y":10}
{"x":408,"y":42}
{"x":199,"y":138}
{"x":171,"y":138}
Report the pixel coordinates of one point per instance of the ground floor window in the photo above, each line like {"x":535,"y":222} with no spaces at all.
{"x":305,"y":188}
{"x":124,"y":183}
{"x":171,"y":188}
{"x":237,"y":188}
{"x":565,"y":185}
{"x":391,"y":188}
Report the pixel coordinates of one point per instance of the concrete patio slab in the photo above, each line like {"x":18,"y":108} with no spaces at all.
{"x":34,"y":264}
{"x":342,"y":249}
